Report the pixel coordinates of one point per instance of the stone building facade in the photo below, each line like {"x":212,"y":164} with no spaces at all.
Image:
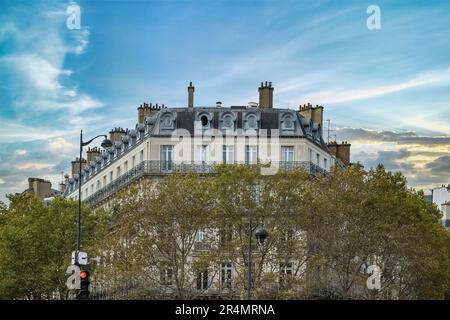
{"x":284,"y":137}
{"x":195,"y":139}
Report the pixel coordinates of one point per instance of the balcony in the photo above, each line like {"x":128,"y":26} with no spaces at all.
{"x":201,"y":246}
{"x":161,"y":168}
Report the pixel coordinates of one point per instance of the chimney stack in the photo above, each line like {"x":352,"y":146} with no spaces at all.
{"x":191,"y":90}
{"x":76,"y":166}
{"x":147,"y":110}
{"x":92,"y":154}
{"x":340,"y":151}
{"x":266,"y":95}
{"x":314,"y":113}
{"x":116,"y":134}
{"x":40,"y":187}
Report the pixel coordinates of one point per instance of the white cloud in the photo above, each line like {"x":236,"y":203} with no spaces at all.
{"x":15,"y":131}
{"x":20,"y":152}
{"x":34,"y":166}
{"x":337,"y":96}
{"x":38,"y":72}
{"x":47,"y":101}
{"x":60,"y":145}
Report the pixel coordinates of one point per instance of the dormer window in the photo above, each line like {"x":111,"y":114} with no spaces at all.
{"x":288,"y":122}
{"x":227,"y":120}
{"x":167,"y":121}
{"x":205,"y":121}
{"x":251,"y":120}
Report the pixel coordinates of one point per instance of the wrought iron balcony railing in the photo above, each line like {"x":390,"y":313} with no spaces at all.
{"x":154,"y":168}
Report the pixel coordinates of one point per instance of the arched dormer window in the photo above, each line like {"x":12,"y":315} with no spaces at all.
{"x":287,"y":122}
{"x":227,"y":121}
{"x":203,"y":120}
{"x":167,"y":120}
{"x":251,"y":120}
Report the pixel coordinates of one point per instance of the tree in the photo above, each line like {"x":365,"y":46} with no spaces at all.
{"x":35,"y":246}
{"x":163,"y":235}
{"x":368,"y":218}
{"x":152,"y":235}
{"x":274,"y":201}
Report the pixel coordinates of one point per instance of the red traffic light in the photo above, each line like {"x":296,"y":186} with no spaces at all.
{"x":84,"y":275}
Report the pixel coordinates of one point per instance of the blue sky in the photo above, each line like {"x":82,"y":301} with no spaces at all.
{"x":386,"y":91}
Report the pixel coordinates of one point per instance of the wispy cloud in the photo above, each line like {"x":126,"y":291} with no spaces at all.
{"x":338,"y":96}
{"x":45,"y":105}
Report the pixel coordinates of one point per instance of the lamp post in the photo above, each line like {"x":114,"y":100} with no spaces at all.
{"x":261,"y":234}
{"x":106,"y":143}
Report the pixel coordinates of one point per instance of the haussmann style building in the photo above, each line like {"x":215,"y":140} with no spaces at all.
{"x":257,"y":132}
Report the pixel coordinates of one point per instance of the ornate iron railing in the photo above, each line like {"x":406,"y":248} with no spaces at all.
{"x":155,"y":168}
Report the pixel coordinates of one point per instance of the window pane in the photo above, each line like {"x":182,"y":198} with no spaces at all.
{"x":287,"y":154}
{"x":166,"y":157}
{"x":251,"y":154}
{"x":228,"y":154}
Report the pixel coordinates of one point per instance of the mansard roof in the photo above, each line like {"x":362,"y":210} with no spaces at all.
{"x":241,"y":120}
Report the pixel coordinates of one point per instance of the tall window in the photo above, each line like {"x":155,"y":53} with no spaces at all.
{"x":111,"y":176}
{"x":286,"y":235}
{"x":202,"y":280}
{"x":318,"y":159}
{"x":226,"y":235}
{"x":285,"y":273}
{"x":325,"y":164}
{"x":125,"y":166}
{"x":104,"y":181}
{"x":228,"y":154}
{"x":287,"y":156}
{"x":310,"y":155}
{"x":166,"y":157}
{"x":99,"y":184}
{"x":133,"y":161}
{"x":119,"y":172}
{"x":200,"y":236}
{"x":203,"y":154}
{"x":141,"y":156}
{"x":166,"y":276}
{"x":225,"y":276}
{"x":251,"y":154}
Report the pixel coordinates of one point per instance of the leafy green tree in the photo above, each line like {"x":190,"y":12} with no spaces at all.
{"x":367,"y":218}
{"x":35,"y":246}
{"x":327,"y":229}
{"x":150,"y":241}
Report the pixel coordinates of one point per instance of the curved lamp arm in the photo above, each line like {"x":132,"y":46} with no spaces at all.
{"x":88,"y":142}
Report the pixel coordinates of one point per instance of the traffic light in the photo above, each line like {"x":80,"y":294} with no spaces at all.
{"x":85,"y":280}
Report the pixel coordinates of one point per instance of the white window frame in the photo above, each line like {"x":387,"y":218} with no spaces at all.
{"x":166,"y":154}
{"x":251,"y":154}
{"x":228,"y":154}
{"x":287,"y":154}
{"x":226,"y":275}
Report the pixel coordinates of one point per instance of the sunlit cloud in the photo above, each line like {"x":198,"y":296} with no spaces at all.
{"x":339,"y":96}
{"x":21,"y":152}
{"x":34,"y":166}
{"x":60,"y":145}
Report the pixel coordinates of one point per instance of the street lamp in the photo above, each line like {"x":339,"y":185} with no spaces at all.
{"x":261,"y":234}
{"x":106,"y":143}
